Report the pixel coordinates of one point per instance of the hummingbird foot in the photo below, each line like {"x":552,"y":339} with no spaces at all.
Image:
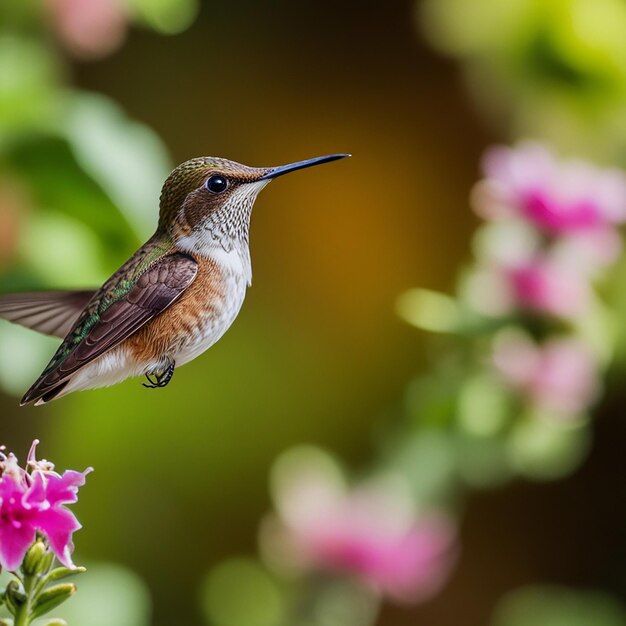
{"x":161,"y":378}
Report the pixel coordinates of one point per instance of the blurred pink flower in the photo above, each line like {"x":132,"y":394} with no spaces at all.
{"x":567,"y":197}
{"x":88,"y":28}
{"x":32,"y":502}
{"x":371,"y":532}
{"x":539,"y":284}
{"x":543,"y":285}
{"x":560,"y":376}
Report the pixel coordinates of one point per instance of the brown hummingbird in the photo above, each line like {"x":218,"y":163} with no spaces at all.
{"x":171,"y":301}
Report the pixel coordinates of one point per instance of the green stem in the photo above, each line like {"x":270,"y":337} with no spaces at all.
{"x":21,"y":617}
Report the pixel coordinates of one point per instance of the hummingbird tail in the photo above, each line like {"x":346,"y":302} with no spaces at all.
{"x":46,"y":397}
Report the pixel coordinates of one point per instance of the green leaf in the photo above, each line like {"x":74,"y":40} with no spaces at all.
{"x":240,"y":591}
{"x":430,"y":310}
{"x":542,"y":447}
{"x":124,"y":157}
{"x":52,"y":597}
{"x":167,"y":16}
{"x":64,"y":572}
{"x":28,"y":81}
{"x":484,"y":406}
{"x":57,"y":183}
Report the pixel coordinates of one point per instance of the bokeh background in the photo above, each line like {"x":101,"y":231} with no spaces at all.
{"x":318,"y":353}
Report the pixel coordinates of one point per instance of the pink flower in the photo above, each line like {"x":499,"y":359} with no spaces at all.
{"x":371,"y":532}
{"x":560,"y":376}
{"x":540,"y":284}
{"x":562,"y":198}
{"x":543,"y":285}
{"x":32,"y":502}
{"x":88,"y":28}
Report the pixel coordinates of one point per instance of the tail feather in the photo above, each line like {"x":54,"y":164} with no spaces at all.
{"x":48,"y":312}
{"x":48,"y":396}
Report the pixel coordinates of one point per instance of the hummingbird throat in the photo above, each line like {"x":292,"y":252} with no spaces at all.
{"x":223,"y":234}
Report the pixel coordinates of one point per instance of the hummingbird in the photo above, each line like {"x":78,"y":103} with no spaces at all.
{"x":172,"y":300}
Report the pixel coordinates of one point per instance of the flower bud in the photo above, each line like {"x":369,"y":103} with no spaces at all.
{"x":63,"y":572}
{"x":14,"y":597}
{"x":55,"y":622}
{"x":46,"y":561}
{"x":33,"y":558}
{"x":15,"y":592}
{"x":51,"y":598}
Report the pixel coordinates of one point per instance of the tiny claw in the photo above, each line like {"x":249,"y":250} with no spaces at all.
{"x":162,"y":378}
{"x":153,"y":383}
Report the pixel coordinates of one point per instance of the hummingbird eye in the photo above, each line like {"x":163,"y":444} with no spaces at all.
{"x":216,"y":183}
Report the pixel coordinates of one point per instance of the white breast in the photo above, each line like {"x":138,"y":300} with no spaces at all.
{"x":235,"y":260}
{"x":235,"y":263}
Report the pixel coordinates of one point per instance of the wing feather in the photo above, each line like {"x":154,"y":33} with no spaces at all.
{"x":48,"y":312}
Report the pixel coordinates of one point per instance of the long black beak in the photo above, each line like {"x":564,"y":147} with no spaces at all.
{"x":292,"y":167}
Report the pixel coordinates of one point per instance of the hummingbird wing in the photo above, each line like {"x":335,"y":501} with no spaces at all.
{"x":48,"y":312}
{"x":116,"y":311}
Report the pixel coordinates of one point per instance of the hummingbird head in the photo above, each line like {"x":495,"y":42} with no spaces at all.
{"x":206,"y":202}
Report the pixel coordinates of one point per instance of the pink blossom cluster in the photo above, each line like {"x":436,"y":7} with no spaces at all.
{"x":32,"y":500}
{"x":558,"y":377}
{"x":370,"y":531}
{"x":552,"y":228}
{"x":568,"y":211}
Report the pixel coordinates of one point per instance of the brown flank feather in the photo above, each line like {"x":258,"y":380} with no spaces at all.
{"x":166,"y":333}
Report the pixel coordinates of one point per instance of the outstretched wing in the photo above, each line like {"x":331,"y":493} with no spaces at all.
{"x":104,"y":325}
{"x":48,"y":312}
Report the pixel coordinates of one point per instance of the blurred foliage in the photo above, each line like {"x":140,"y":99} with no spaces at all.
{"x":109,"y":594}
{"x":270,"y":601}
{"x":220,"y":595}
{"x":558,"y":606}
{"x":166,"y":16}
{"x":542,"y":69}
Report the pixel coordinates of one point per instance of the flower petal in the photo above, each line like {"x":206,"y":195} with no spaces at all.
{"x":416,"y":567}
{"x":15,"y":539}
{"x":64,"y":489}
{"x":564,"y":196}
{"x":58,"y":524}
{"x":35,"y":495}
